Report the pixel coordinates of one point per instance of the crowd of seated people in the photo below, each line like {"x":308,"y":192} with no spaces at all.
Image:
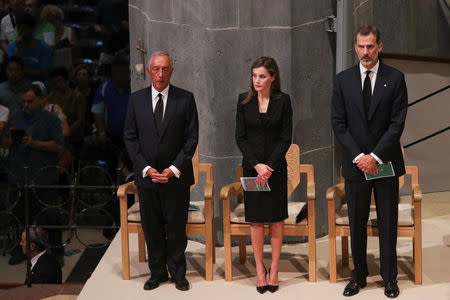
{"x":55,"y":110}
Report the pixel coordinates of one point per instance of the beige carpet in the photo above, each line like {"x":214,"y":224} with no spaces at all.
{"x":106,"y":282}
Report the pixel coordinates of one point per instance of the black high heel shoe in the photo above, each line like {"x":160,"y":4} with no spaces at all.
{"x":263,"y":289}
{"x":272,"y":288}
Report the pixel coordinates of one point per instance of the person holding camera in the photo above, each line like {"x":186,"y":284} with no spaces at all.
{"x":34,"y":138}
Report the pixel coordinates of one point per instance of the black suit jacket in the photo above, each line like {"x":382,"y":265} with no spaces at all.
{"x":174,"y":146}
{"x":46,"y":270}
{"x":262,"y":142}
{"x":380,"y":131}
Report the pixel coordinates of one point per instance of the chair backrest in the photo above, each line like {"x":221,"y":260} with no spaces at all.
{"x":195,"y":167}
{"x":401,"y":179}
{"x":293,"y":167}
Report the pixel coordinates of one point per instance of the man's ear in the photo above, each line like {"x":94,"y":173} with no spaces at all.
{"x":32,"y":246}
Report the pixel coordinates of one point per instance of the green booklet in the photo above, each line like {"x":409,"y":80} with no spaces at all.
{"x":249,"y":185}
{"x":384,"y":170}
{"x":193,"y":207}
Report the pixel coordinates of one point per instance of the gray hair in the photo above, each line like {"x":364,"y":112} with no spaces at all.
{"x":38,"y":236}
{"x":51,"y":13}
{"x":161,"y":53}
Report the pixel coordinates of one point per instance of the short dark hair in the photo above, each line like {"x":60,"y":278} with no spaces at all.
{"x":60,"y":71}
{"x":16,"y":59}
{"x":33,"y":87}
{"x":26,"y":19}
{"x":365,"y":30}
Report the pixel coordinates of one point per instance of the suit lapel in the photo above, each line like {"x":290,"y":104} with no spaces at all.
{"x":357,"y":87}
{"x":171,"y":108}
{"x":378,"y":90}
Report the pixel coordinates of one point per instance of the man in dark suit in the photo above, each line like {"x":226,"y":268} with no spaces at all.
{"x":45,"y":269}
{"x":161,"y":135}
{"x":368,"y":114}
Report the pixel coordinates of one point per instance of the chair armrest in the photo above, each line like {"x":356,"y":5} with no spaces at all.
{"x":122,"y":192}
{"x":126,"y":188}
{"x":209,"y":186}
{"x":233,"y":189}
{"x":336,"y":190}
{"x":331,"y":192}
{"x":417,"y":193}
{"x":311,"y":191}
{"x":310,"y":187}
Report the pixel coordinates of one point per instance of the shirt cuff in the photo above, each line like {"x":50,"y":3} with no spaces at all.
{"x":144,"y":172}
{"x":175,"y":171}
{"x":376,"y":158}
{"x":355,"y":160}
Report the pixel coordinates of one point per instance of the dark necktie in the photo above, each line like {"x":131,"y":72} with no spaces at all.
{"x":158,"y":113}
{"x":367,"y":93}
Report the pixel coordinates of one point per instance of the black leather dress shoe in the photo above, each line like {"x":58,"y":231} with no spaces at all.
{"x":353,"y":287}
{"x":182,"y":285}
{"x":154,"y":282}
{"x":391,"y":289}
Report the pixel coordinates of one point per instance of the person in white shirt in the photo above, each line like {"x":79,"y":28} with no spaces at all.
{"x":8,"y":23}
{"x":45,"y":269}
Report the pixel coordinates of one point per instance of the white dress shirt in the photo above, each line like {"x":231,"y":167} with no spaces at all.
{"x":373,"y":77}
{"x":155,"y":98}
{"x":35,"y":259}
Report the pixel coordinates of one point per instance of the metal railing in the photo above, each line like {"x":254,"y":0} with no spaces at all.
{"x":434,"y":133}
{"x":75,"y":204}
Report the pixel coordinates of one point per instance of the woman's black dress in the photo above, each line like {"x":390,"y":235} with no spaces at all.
{"x":265,"y":138}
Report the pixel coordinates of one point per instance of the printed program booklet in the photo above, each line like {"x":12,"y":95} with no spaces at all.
{"x":384,"y":170}
{"x":249,"y":185}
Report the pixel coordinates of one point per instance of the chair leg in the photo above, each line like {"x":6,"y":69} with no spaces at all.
{"x":312,"y":256}
{"x":242,"y":249}
{"x":344,"y":242}
{"x":417,"y":254}
{"x":227,"y":256}
{"x":125,"y":253}
{"x":209,"y":245}
{"x":141,"y":247}
{"x":332,"y":249}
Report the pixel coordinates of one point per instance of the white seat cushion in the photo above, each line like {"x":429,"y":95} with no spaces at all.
{"x":237,"y":215}
{"x":405,"y":215}
{"x":198,"y":217}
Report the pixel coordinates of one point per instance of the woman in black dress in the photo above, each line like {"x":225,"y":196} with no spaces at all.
{"x":263,"y":134}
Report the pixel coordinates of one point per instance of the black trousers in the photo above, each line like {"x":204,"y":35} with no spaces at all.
{"x":164,"y":213}
{"x":358,"y":193}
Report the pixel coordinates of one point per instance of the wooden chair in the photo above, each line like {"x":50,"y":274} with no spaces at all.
{"x":234,"y":220}
{"x":199,"y":222}
{"x":409,"y":222}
